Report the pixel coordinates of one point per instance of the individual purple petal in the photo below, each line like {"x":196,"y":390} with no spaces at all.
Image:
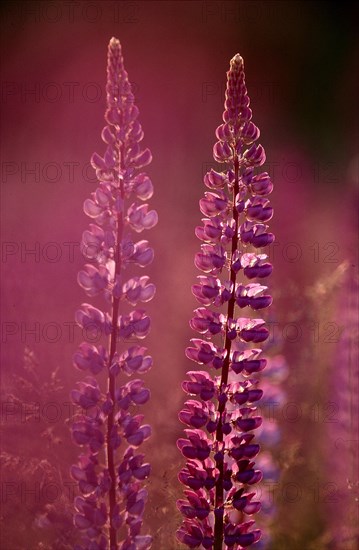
{"x":211,"y":259}
{"x":199,"y":383}
{"x":261,"y":184}
{"x":255,"y":155}
{"x":256,"y":266}
{"x":207,"y":289}
{"x":92,"y":209}
{"x":142,"y":159}
{"x":249,"y":133}
{"x":94,"y":321}
{"x":222,"y":151}
{"x":249,"y":424}
{"x":196,"y":505}
{"x":206,"y":321}
{"x":136,"y":324}
{"x":143,"y":187}
{"x":139,"y":218}
{"x":88,"y":395}
{"x":213,"y":204}
{"x":258,"y":209}
{"x":89,"y":357}
{"x":138,"y":289}
{"x":215,"y":180}
{"x":205,"y":353}
{"x":194,"y":414}
{"x":190,"y":534}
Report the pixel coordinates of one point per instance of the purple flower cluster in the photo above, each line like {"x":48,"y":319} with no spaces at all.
{"x":221,"y":415}
{"x":110,"y":472}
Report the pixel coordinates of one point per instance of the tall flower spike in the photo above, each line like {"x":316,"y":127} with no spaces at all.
{"x":221,"y":415}
{"x":110,"y":473}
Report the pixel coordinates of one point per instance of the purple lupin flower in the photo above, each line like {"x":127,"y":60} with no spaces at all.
{"x":110,"y":473}
{"x":221,"y":416}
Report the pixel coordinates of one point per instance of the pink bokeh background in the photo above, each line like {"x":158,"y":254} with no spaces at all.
{"x":300,"y":62}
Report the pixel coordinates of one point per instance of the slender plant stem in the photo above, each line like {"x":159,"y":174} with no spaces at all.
{"x":218,"y":526}
{"x":111,"y":381}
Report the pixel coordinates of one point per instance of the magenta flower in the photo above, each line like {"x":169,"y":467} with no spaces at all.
{"x":111,"y":473}
{"x":221,"y":415}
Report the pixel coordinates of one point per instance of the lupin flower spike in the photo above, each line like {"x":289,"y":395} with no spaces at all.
{"x":221,"y":415}
{"x":110,"y":472}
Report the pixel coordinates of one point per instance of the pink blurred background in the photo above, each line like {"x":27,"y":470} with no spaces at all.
{"x":301,"y":62}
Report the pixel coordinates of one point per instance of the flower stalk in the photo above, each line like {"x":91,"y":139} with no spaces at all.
{"x":220,"y":472}
{"x":110,"y":473}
